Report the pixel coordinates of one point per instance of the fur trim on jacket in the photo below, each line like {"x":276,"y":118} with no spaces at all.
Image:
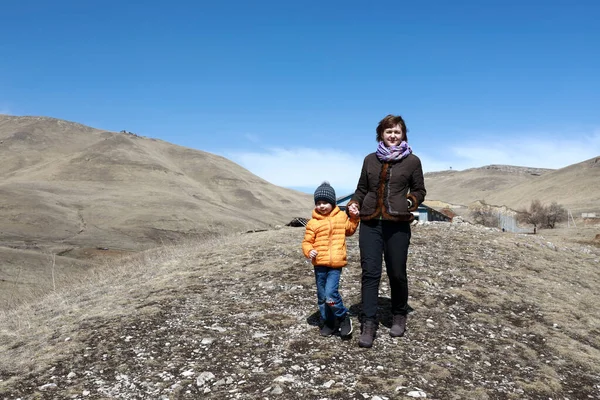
{"x":384,"y":187}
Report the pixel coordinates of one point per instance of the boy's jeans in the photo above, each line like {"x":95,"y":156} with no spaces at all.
{"x":328,"y":296}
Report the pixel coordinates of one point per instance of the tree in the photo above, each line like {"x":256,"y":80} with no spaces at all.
{"x":555,"y":213}
{"x":484,"y":215}
{"x":542,"y":216}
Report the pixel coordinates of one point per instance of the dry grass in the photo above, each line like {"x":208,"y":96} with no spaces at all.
{"x":105,"y":292}
{"x":497,"y":316}
{"x":67,"y":190}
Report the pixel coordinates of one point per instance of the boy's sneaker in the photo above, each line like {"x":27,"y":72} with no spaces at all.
{"x":345,"y":326}
{"x":327,"y":329}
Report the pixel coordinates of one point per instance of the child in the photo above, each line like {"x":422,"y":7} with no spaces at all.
{"x":325,"y":244}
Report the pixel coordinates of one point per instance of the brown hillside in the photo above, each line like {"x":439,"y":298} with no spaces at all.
{"x":574,"y":186}
{"x":577,"y":187}
{"x":70,"y":184}
{"x":66,"y":187}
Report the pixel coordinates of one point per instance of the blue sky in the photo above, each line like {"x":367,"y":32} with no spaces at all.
{"x":293,"y":91}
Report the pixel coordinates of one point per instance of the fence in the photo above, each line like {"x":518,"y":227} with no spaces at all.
{"x":508,"y":221}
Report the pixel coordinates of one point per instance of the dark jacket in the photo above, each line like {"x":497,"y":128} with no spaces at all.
{"x":384,"y":187}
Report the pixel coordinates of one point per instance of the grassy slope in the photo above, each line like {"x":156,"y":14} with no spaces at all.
{"x":497,"y":316}
{"x":67,"y":190}
{"x":574,"y":186}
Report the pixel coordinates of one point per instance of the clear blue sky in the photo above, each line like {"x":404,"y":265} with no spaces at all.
{"x":293,"y":90}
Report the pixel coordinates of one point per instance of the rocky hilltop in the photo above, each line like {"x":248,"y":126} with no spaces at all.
{"x":517,"y":170}
{"x":497,"y":316}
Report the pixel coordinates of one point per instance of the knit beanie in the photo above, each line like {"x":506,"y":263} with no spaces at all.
{"x":326,"y":193}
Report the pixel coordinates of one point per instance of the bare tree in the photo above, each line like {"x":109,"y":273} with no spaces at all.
{"x":555,"y":213}
{"x":484,"y":215}
{"x":541,"y":216}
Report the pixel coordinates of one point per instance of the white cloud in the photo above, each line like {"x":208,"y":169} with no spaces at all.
{"x":550,"y":151}
{"x":306,"y":168}
{"x":303,"y":167}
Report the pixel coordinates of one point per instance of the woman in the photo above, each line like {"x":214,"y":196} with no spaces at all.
{"x":390,"y":187}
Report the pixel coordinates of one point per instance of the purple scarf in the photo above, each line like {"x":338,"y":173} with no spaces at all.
{"x":393,"y":153}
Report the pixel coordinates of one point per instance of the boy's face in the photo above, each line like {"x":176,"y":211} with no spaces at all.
{"x":323,"y":207}
{"x":393,"y":136}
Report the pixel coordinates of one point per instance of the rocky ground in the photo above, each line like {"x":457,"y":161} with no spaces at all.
{"x":496,"y":316}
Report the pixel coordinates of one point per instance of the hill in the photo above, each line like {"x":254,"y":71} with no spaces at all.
{"x":71,"y":191}
{"x":497,"y":316}
{"x":69,"y":184}
{"x":574,"y":186}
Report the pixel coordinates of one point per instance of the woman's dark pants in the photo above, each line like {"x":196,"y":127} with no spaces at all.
{"x":379,"y":240}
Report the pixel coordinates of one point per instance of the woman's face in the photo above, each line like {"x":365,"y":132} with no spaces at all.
{"x":393,"y":136}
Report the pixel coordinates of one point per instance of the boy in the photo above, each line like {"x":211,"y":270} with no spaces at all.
{"x":325,"y":244}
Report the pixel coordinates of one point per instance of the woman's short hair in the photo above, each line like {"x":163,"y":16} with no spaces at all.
{"x":389,"y":121}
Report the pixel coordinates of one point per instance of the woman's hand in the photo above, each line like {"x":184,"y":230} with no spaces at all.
{"x":353,"y":210}
{"x":313,"y":253}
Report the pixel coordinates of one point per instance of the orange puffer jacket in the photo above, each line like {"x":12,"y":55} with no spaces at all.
{"x":327,"y":235}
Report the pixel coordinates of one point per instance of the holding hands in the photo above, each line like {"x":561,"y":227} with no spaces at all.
{"x":353,"y":210}
{"x":312,"y":254}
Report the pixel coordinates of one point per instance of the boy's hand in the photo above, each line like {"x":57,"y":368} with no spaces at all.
{"x":313,"y":253}
{"x":353,"y":210}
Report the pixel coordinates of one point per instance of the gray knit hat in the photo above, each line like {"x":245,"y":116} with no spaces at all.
{"x":326,"y":193}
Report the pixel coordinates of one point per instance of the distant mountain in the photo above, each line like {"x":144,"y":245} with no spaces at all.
{"x":575,"y":187}
{"x":65,"y":184}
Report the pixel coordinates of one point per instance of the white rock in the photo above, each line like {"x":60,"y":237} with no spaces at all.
{"x":416,"y":393}
{"x":204,"y":377}
{"x":207,"y":341}
{"x":71,"y":375}
{"x":277,"y":390}
{"x":216,"y":328}
{"x":48,"y":386}
{"x":187,"y":373}
{"x":285,"y":378}
{"x":328,"y":384}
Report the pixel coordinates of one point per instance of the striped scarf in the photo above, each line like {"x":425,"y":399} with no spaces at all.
{"x":393,"y":153}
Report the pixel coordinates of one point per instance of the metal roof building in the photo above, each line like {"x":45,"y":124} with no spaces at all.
{"x":423,"y":213}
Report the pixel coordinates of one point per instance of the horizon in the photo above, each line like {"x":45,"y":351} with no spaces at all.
{"x":293,"y":92}
{"x":310,"y":190}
